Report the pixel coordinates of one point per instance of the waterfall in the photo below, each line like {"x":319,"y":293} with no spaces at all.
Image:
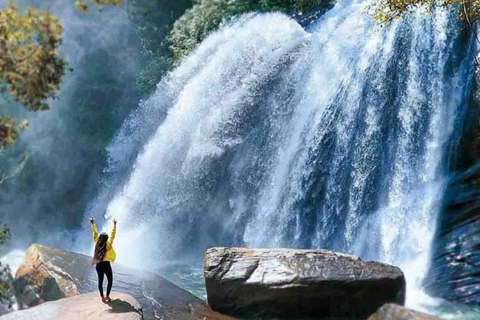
{"x":273,"y":135}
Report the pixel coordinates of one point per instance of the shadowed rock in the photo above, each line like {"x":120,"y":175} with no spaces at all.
{"x":392,"y":311}
{"x":293,"y":283}
{"x":41,"y":277}
{"x":6,"y":280}
{"x":81,"y":307}
{"x":48,"y":274}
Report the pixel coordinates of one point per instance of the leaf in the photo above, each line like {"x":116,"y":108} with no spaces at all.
{"x":23,"y":124}
{"x":81,"y":6}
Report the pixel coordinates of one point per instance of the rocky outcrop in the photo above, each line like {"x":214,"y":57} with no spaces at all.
{"x":392,"y":311}
{"x":455,"y":260}
{"x":298,"y":283}
{"x":456,"y":248}
{"x":81,"y":307}
{"x":48,"y":274}
{"x":39,"y":279}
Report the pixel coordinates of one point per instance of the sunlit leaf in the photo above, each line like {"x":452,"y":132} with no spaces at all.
{"x":30,"y":66}
{"x":81,"y":6}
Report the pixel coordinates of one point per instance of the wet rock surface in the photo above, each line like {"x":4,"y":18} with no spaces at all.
{"x":291,"y":283}
{"x":66,"y":274}
{"x":456,"y":248}
{"x":82,"y":307}
{"x":392,"y":311}
{"x":456,"y":251}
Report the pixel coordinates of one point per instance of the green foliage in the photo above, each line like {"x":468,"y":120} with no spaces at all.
{"x":206,"y":15}
{"x":202,"y":18}
{"x":153,"y":71}
{"x":154,"y":20}
{"x":170,"y":30}
{"x":5,"y":283}
{"x":8,"y":131}
{"x":4,"y":234}
{"x":388,"y":10}
{"x":30,"y":66}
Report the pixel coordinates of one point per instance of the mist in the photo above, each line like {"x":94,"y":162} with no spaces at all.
{"x":64,"y":148}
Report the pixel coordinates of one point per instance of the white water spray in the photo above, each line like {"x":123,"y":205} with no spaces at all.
{"x":276,"y":136}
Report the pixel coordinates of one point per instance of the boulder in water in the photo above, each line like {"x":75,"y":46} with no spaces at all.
{"x":85,"y":306}
{"x":48,"y":274}
{"x":392,"y":311}
{"x":298,"y":283}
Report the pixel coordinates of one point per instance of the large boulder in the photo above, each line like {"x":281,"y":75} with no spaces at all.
{"x":40,"y":279}
{"x":81,"y":307}
{"x":392,"y":311}
{"x":48,"y":274}
{"x":298,"y":283}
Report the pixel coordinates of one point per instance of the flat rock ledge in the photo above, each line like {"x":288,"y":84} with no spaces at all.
{"x":50,"y":274}
{"x":392,"y":311}
{"x":83,"y":307}
{"x":292,"y":283}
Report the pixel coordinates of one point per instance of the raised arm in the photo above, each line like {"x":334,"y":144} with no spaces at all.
{"x":114,"y":231}
{"x":94,"y":230}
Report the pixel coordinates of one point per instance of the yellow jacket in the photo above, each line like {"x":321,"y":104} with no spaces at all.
{"x":110,"y":255}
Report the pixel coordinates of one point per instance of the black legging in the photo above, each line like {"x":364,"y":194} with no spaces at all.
{"x":104,"y":268}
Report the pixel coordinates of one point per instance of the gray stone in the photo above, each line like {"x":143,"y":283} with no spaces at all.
{"x":81,"y":307}
{"x":49,"y":274}
{"x":392,"y":311}
{"x":298,"y":283}
{"x":39,"y":278}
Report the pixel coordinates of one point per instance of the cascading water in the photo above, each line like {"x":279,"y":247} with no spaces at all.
{"x":270,"y":135}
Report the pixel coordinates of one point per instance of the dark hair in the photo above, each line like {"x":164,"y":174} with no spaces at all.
{"x":101,"y":247}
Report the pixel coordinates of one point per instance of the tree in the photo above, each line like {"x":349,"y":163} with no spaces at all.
{"x":153,"y":20}
{"x":30,"y":66}
{"x":388,"y":10}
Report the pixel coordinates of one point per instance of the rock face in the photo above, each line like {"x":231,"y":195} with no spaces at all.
{"x":456,"y":248}
{"x":48,"y":274}
{"x":392,"y":311}
{"x":81,"y":307}
{"x":39,"y":279}
{"x":298,"y":283}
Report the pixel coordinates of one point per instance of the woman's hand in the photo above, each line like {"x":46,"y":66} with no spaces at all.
{"x":115,"y":221}
{"x":91,"y":220}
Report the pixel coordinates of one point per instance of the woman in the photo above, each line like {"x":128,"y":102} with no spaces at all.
{"x":103,"y":256}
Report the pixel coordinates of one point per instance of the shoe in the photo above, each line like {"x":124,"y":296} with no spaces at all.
{"x":108,"y":299}
{"x":104,"y":300}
